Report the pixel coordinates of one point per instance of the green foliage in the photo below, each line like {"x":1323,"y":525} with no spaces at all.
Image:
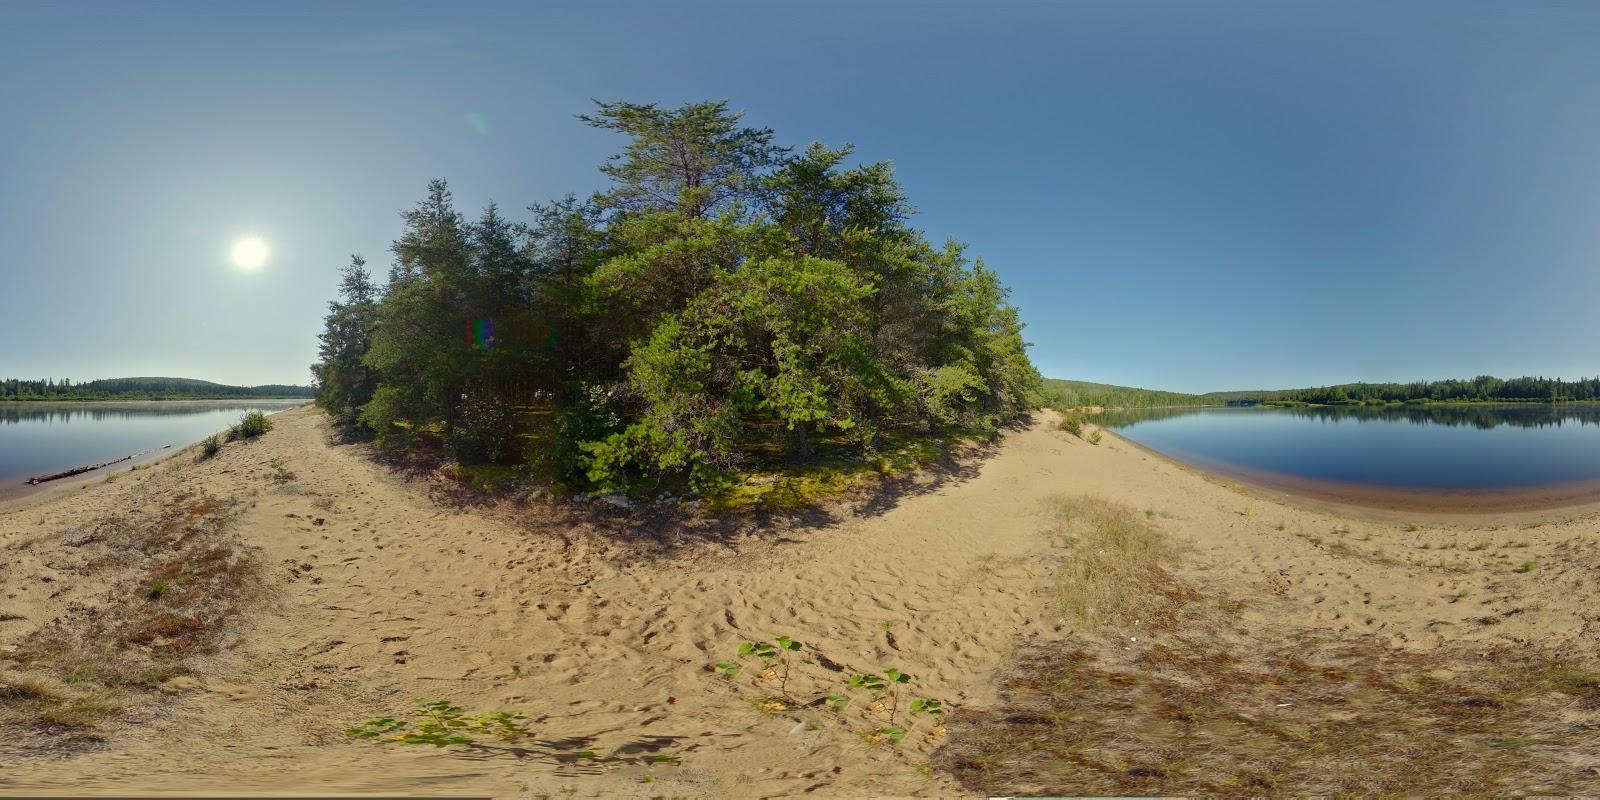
{"x":1072,"y":422}
{"x":1094,"y":437}
{"x":1484,"y":388}
{"x":1064,"y":394}
{"x":878,"y":697}
{"x":209,"y":446}
{"x":251,"y":425}
{"x":344,"y":381}
{"x":140,"y":389}
{"x":726,"y":301}
{"x":439,"y":723}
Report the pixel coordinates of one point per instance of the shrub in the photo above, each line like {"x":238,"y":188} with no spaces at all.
{"x":1072,"y":422}
{"x":210,"y":447}
{"x":485,"y":430}
{"x":251,"y":425}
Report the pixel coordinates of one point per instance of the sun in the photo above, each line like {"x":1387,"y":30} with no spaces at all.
{"x":250,"y":252}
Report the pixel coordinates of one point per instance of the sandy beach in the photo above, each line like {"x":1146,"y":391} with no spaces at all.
{"x":377,"y":590}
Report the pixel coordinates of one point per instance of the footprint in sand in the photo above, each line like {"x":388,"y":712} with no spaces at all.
{"x":233,"y":691}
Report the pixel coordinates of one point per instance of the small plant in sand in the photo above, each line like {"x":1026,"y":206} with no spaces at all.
{"x":280,"y":471}
{"x":1094,"y":437}
{"x":884,"y":694}
{"x":209,"y":447}
{"x":775,"y":668}
{"x":1528,"y":566}
{"x":881,"y":698}
{"x":439,"y":723}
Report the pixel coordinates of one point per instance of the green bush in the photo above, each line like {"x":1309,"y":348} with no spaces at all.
{"x":1072,"y":422}
{"x":251,"y":425}
{"x":485,"y":430}
{"x":210,"y":447}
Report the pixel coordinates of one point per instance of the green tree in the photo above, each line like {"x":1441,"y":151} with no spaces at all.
{"x":344,"y":381}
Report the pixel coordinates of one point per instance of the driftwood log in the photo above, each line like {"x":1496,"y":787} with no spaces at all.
{"x":71,"y":472}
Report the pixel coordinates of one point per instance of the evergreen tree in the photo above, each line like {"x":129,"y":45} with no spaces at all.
{"x":344,"y":381}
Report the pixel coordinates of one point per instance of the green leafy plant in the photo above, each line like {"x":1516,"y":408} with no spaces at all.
{"x":209,"y":447}
{"x":440,"y":723}
{"x":884,"y":693}
{"x":251,"y":425}
{"x":1528,"y":566}
{"x":1094,"y":437}
{"x":775,"y":663}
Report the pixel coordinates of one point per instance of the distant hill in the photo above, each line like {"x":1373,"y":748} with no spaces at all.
{"x":141,"y":389}
{"x":1084,"y":393}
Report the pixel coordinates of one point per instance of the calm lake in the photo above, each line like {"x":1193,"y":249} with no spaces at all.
{"x":43,"y":438}
{"x":1457,"y":449}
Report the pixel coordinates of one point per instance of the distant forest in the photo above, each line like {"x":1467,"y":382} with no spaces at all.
{"x":1484,"y":388}
{"x":726,"y":302}
{"x":1075,"y":394}
{"x":140,"y":389}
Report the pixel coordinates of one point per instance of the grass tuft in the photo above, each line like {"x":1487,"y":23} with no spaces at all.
{"x":1110,"y":548}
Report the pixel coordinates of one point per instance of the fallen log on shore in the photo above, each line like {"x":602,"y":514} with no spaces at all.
{"x":71,"y":472}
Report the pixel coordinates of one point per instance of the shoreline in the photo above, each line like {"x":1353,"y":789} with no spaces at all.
{"x":16,"y":494}
{"x":382,"y":591}
{"x":1535,"y":503}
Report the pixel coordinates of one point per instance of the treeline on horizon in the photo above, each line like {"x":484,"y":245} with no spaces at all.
{"x":140,"y":389}
{"x":1082,"y":394}
{"x":1484,"y":388}
{"x":726,"y":300}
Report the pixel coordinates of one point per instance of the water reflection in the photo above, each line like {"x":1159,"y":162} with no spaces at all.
{"x":66,"y":412}
{"x":1444,"y":447}
{"x":1485,"y":416}
{"x":47,"y":437}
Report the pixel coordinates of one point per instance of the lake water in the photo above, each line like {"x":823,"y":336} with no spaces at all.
{"x":44,"y":438}
{"x":1459,"y":449}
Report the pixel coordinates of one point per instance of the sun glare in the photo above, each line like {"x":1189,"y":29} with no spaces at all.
{"x":249,"y":253}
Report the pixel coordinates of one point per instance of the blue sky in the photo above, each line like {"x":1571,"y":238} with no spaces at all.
{"x":1187,"y":195}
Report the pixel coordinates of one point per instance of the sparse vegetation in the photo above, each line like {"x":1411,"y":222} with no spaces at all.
{"x":178,"y":579}
{"x":1109,"y":548}
{"x":1072,"y":422}
{"x":440,"y":723}
{"x":278,"y":470}
{"x":209,"y":447}
{"x":251,"y":425}
{"x":881,"y":710}
{"x":1196,"y":705}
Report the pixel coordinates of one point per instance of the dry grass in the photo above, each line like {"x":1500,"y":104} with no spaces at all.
{"x":1307,"y":718}
{"x":1200,"y":708}
{"x":1109,"y":548}
{"x":177,"y":583}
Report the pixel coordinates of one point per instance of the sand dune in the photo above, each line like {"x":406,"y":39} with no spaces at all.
{"x":376,"y":594}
